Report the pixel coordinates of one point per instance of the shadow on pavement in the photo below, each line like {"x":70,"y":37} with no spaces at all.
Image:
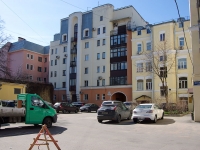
{"x":165,"y":121}
{"x":123,"y":122}
{"x":23,"y":130}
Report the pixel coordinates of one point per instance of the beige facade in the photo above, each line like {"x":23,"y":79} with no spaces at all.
{"x":194,"y":28}
{"x":158,"y":40}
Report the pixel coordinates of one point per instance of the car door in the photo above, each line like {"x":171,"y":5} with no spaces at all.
{"x":126,"y":111}
{"x":156,"y":111}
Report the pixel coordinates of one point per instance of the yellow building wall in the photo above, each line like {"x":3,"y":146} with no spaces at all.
{"x":7,"y":90}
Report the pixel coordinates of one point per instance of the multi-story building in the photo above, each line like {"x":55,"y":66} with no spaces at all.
{"x":28,"y":61}
{"x":162,"y":50}
{"x":90,"y":59}
{"x":194,"y":28}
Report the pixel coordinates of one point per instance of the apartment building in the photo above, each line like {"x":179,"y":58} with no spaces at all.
{"x":90,"y":59}
{"x":161,"y":50}
{"x":28,"y":61}
{"x":194,"y":29}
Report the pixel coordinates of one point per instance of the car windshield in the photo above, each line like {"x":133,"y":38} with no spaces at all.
{"x":87,"y":104}
{"x":144,"y":106}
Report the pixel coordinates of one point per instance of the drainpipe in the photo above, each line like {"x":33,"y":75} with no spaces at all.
{"x":175,"y":62}
{"x":152,"y":46}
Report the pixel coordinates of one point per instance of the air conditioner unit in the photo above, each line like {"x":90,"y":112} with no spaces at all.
{"x":57,"y":57}
{"x":100,"y":78}
{"x":94,"y":29}
{"x":65,"y":55}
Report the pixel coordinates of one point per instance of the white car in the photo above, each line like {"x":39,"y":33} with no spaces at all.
{"x":147,"y":112}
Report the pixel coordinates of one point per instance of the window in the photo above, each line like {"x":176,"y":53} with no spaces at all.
{"x":97,"y":96}
{"x":103,"y":55}
{"x":148,"y":84}
{"x":86,"y":83}
{"x":163,"y":58}
{"x":104,"y":42}
{"x":148,"y":67}
{"x":65,"y":49}
{"x":104,"y":69}
{"x":31,"y":67}
{"x":72,"y":82}
{"x":103,"y":96}
{"x":182,"y":82}
{"x":114,"y":66}
{"x":51,"y":73}
{"x":182,"y":63}
{"x":139,"y":48}
{"x":163,"y":90}
{"x":163,"y":71}
{"x":139,"y":85}
{"x":55,"y":73}
{"x":148,"y":31}
{"x":118,"y":80}
{"x":101,"y":18}
{"x":118,"y":52}
{"x":98,"y":42}
{"x":181,"y":24}
{"x":162,"y":37}
{"x":119,"y":66}
{"x":17,"y":91}
{"x":98,"y":83}
{"x":51,"y":62}
{"x":51,"y":51}
{"x":54,"y":84}
{"x":64,"y":72}
{"x":148,"y":46}
{"x":104,"y":29}
{"x":86,"y":70}
{"x":72,"y":69}
{"x":139,"y":67}
{"x":30,"y":77}
{"x":45,"y":69}
{"x":86,"y":57}
{"x":86,"y":33}
{"x":98,"y":69}
{"x":181,"y":41}
{"x":56,"y":62}
{"x":98,"y":31}
{"x":139,"y":32}
{"x":118,"y":40}
{"x":64,"y":60}
{"x":86,"y":44}
{"x":31,"y":56}
{"x":40,"y":59}
{"x":39,"y":79}
{"x":39,"y":69}
{"x":64,"y":38}
{"x":45,"y":59}
{"x":103,"y":82}
{"x":27,"y":55}
{"x":63,"y":84}
{"x":98,"y":56}
{"x":85,"y":97}
{"x":56,"y":51}
{"x":64,"y":97}
{"x":27,"y":66}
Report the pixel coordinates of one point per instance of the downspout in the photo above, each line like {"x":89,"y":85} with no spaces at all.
{"x":152,"y":48}
{"x":175,"y":62}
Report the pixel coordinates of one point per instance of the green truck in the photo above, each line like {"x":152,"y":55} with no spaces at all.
{"x":29,"y":108}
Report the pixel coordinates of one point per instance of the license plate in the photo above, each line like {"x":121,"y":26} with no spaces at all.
{"x":104,"y":112}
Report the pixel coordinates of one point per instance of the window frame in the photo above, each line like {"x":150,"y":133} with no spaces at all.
{"x":183,"y":82}
{"x":139,"y":67}
{"x":140,"y":85}
{"x":182,"y":63}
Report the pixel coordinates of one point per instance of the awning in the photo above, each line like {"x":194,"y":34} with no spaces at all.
{"x":143,"y":98}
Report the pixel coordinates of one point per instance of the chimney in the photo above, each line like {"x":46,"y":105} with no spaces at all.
{"x":20,"y":39}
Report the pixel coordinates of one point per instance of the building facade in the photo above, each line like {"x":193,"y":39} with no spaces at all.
{"x":90,"y":59}
{"x":28,"y":61}
{"x":194,"y":28}
{"x":162,"y":50}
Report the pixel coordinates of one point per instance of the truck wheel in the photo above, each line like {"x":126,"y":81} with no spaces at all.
{"x":48,"y":122}
{"x":100,"y":121}
{"x":76,"y":111}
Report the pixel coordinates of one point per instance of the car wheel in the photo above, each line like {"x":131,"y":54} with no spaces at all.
{"x":155,"y":119}
{"x":48,"y":122}
{"x":118,"y":119}
{"x":64,"y":111}
{"x":89,"y":110}
{"x":135,"y":120}
{"x":76,"y":111}
{"x":69,"y":112}
{"x":162,"y":116}
{"x":100,"y":121}
{"x":57,"y":111}
{"x":129,"y":117}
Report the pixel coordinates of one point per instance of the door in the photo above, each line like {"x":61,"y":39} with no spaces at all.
{"x":36,"y":110}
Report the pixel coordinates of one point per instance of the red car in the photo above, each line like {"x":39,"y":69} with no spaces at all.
{"x":65,"y":107}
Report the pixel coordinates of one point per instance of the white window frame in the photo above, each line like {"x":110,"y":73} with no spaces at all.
{"x":103,"y":96}
{"x":139,"y":32}
{"x":98,"y":69}
{"x":162,"y":36}
{"x":140,"y":85}
{"x":181,"y":41}
{"x":148,"y":66}
{"x":101,"y":18}
{"x":86,"y":70}
{"x":98,"y":42}
{"x":183,"y":84}
{"x":163,"y":58}
{"x":182,"y":63}
{"x":87,"y":57}
{"x":104,"y":69}
{"x":97,"y":96}
{"x":64,"y":60}
{"x":84,"y":32}
{"x":103,"y":55}
{"x":63,"y":97}
{"x":56,"y":51}
{"x":85,"y":97}
{"x":86,"y":83}
{"x":104,"y":42}
{"x":63,"y":40}
{"x":32,"y":57}
{"x":87,"y":45}
{"x":64,"y":72}
{"x":104,"y":30}
{"x":148,"y":84}
{"x":27,"y":66}
{"x":98,"y":56}
{"x":139,"y":67}
{"x":139,"y":48}
{"x":103,"y":82}
{"x":65,"y":49}
{"x":52,"y":51}
{"x":148,"y":46}
{"x":28,"y":55}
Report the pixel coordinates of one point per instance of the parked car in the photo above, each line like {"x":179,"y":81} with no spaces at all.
{"x":8,"y":103}
{"x":89,"y":107}
{"x":113,"y":110}
{"x":65,"y":107}
{"x":130,"y":105}
{"x":50,"y":104}
{"x":147,"y":112}
{"x":78,"y":104}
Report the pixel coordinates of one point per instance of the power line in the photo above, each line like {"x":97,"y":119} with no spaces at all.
{"x":22,"y":19}
{"x":183,"y":31}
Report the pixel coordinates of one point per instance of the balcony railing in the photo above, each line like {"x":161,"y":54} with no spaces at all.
{"x":72,"y":63}
{"x":113,"y":32}
{"x":74,"y":39}
{"x":73,"y":51}
{"x":72,"y":88}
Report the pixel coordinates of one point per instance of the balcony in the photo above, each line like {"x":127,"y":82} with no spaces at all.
{"x":74,"y":39}
{"x":72,"y":76}
{"x":72,"y":63}
{"x":72,"y":88}
{"x":73,"y":51}
{"x":113,"y":32}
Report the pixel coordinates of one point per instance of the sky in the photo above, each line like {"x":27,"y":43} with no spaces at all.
{"x":38,"y":20}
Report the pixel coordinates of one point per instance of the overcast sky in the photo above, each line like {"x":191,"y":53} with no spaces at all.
{"x":38,"y":20}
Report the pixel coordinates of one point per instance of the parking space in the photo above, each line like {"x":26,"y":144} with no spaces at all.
{"x":82,"y":131}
